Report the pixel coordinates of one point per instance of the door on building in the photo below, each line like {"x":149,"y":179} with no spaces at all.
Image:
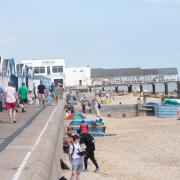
{"x":48,"y":70}
{"x":80,"y":82}
{"x":14,"y":79}
{"x":60,"y":81}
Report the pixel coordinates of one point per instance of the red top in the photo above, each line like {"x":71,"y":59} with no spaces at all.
{"x":84,"y":128}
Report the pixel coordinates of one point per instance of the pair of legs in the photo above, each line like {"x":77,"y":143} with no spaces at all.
{"x":77,"y":167}
{"x":23,"y":102}
{"x":75,"y":174}
{"x":12,"y":115}
{"x":56,"y":99}
{"x":61,"y":95}
{"x":83,"y":108}
{"x":97,"y":112}
{"x":42,"y":99}
{"x":90,"y":154}
{"x":11,"y":107}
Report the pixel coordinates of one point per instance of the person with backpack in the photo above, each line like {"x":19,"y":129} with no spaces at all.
{"x":89,"y":141}
{"x":76,"y":157}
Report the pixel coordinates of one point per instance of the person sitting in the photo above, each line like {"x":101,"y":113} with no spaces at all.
{"x":69,"y":131}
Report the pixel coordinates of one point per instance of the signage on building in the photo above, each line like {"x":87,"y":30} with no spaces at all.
{"x":48,"y":62}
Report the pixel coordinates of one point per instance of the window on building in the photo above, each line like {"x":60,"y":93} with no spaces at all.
{"x":57,"y":69}
{"x":48,"y":70}
{"x":39,"y":70}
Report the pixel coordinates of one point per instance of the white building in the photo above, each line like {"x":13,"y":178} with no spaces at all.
{"x":78,"y":76}
{"x":53,"y":69}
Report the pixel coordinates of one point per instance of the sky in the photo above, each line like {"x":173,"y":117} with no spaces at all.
{"x":98,"y":33}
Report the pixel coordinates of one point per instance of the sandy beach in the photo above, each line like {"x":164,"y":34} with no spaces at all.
{"x":144,"y":148}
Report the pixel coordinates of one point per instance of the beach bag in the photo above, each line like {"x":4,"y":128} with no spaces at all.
{"x":49,"y":100}
{"x":99,"y":105}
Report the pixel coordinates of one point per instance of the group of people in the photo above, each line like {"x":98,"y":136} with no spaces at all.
{"x":77,"y":154}
{"x":48,"y":94}
{"x":87,"y":104}
{"x":9,"y":98}
{"x":79,"y":157}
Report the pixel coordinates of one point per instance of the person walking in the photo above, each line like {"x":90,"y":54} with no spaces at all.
{"x":41,"y":93}
{"x":1,"y":98}
{"x":97,"y":106}
{"x":55,"y":93}
{"x":71,"y":100}
{"x":61,"y":90}
{"x":89,"y":142}
{"x":83,"y":104}
{"x":10,"y":100}
{"x":23,"y":93}
{"x":34,"y":90}
{"x":75,"y":158}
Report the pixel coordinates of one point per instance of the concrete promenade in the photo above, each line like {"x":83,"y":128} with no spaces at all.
{"x":31,"y":148}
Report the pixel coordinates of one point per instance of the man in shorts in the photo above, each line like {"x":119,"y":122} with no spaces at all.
{"x":23,"y":92}
{"x":41,"y":91}
{"x":75,"y":159}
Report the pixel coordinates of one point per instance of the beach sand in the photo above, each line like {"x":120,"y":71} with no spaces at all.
{"x":145,"y":148}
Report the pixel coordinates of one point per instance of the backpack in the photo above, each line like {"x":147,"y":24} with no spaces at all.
{"x":71,"y":155}
{"x":99,"y":105}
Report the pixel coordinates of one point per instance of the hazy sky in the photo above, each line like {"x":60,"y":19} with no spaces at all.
{"x":99,"y":33}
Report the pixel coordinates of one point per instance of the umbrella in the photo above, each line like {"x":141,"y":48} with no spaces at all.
{"x":74,"y":116}
{"x":82,"y":116}
{"x":78,"y":116}
{"x":68,"y":117}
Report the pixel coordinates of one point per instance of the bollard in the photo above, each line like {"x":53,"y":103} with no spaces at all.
{"x":178,"y":115}
{"x":109,"y":115}
{"x":124,"y":115}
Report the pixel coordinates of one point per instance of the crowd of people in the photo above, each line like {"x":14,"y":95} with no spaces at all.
{"x":12,"y":99}
{"x":73,"y":145}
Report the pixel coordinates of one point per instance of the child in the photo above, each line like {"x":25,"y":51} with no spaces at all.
{"x":49,"y":99}
{"x":30,"y":98}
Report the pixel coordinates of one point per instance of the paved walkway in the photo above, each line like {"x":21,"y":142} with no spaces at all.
{"x":8,"y":131}
{"x":16,"y":140}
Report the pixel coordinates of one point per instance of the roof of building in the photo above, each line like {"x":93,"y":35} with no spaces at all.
{"x":160,"y":71}
{"x":106,"y":73}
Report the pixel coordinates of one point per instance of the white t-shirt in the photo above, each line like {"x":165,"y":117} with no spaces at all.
{"x":10,"y":91}
{"x":77,"y":148}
